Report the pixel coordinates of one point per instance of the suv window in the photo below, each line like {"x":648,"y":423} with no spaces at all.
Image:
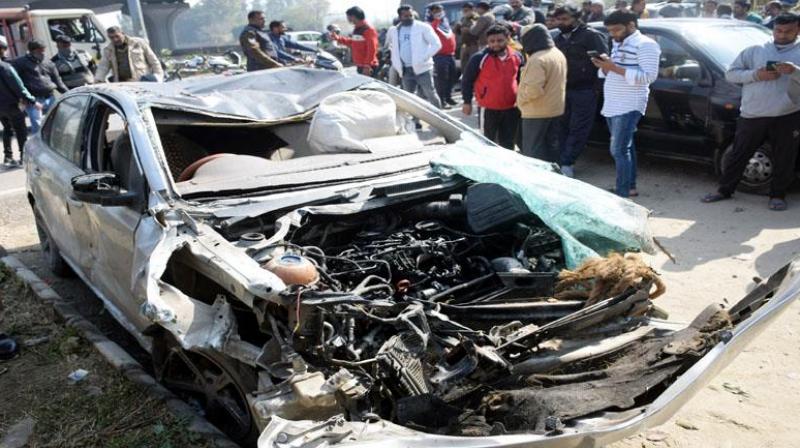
{"x":676,"y":63}
{"x":63,"y":131}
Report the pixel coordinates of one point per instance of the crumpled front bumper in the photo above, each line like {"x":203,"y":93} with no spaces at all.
{"x":780,"y":290}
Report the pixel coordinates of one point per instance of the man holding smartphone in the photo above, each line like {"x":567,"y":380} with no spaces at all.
{"x":629,"y":71}
{"x":770,"y":111}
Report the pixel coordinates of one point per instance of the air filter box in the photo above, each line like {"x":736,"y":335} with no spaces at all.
{"x":492,"y":207}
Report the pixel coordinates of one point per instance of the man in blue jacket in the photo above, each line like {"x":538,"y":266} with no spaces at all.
{"x":277,"y":33}
{"x":770,"y":77}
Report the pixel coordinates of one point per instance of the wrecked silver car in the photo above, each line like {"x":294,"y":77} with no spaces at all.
{"x":317,"y":259}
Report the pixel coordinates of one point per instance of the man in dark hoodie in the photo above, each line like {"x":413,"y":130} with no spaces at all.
{"x":12,"y":92}
{"x":540,"y":97}
{"x":492,"y":76}
{"x":575,"y":40}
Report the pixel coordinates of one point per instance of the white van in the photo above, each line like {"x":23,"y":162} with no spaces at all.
{"x":21,"y":25}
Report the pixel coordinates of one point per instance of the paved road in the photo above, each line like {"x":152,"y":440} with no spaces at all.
{"x":719,"y":249}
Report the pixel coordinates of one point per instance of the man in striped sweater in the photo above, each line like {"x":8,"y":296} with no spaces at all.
{"x":628,"y":73}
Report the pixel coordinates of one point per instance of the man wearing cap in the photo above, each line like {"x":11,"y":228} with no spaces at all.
{"x":575,"y":40}
{"x":128,"y":59}
{"x":469,"y":42}
{"x":74,"y":68}
{"x":41,"y":78}
{"x":741,"y":11}
{"x":12,"y":92}
{"x":598,"y":14}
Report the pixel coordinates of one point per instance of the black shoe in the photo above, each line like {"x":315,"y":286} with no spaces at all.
{"x":450,"y":101}
{"x":8,"y":162}
{"x":714,"y":197}
{"x":446,"y":106}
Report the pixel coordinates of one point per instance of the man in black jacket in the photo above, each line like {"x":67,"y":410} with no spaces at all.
{"x":41,"y":78}
{"x":575,"y":40}
{"x":12,"y":92}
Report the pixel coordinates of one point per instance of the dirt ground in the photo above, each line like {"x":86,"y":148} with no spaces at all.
{"x":719,"y":248}
{"x":102,"y":409}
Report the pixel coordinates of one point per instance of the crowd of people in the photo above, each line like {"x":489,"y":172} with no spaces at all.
{"x":31,"y":80}
{"x":534,"y":79}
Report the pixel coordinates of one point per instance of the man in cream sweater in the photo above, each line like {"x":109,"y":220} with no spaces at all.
{"x":541,"y":94}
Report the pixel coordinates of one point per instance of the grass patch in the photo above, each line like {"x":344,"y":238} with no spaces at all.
{"x":104,"y":409}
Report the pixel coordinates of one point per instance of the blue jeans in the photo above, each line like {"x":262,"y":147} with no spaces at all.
{"x":35,"y":115}
{"x":576,"y":124}
{"x":622,"y":129}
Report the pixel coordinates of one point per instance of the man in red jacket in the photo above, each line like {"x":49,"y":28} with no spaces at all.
{"x":492,"y":76}
{"x":444,"y":62}
{"x":363,"y":43}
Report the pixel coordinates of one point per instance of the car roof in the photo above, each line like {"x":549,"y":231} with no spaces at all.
{"x":264,"y":96}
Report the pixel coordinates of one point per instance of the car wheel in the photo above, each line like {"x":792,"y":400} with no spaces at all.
{"x":757,"y":176}
{"x":212,"y":382}
{"x":50,"y":252}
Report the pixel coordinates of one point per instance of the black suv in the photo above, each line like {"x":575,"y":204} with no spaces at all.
{"x":692,"y":110}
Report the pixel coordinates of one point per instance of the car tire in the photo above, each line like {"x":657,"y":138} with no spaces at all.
{"x":52,"y":255}
{"x":757,"y":176}
{"x":171,"y":362}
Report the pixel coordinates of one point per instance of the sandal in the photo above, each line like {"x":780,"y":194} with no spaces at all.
{"x":715,"y":197}
{"x":777,"y":204}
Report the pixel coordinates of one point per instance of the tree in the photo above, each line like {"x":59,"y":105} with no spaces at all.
{"x":219,"y":22}
{"x":211,"y":22}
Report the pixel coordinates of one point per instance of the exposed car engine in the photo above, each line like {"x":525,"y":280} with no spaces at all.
{"x":448,"y":316}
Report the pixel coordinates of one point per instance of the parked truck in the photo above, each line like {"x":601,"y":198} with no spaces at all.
{"x":21,"y":25}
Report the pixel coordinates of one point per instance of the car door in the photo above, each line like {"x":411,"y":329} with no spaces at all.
{"x":110,"y":149}
{"x":54,"y":165}
{"x":675,"y":120}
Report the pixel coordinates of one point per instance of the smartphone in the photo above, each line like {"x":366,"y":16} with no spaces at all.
{"x":593,"y":54}
{"x":771,"y":65}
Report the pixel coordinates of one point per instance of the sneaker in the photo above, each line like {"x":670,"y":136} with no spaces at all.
{"x":450,"y":101}
{"x":568,"y":170}
{"x":8,"y":162}
{"x":446,"y":106}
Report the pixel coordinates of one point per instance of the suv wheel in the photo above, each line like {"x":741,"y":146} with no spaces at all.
{"x":210,"y":381}
{"x":50,"y":252}
{"x":757,"y":175}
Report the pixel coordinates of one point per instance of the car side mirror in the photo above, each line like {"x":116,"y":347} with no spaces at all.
{"x":102,"y":189}
{"x":689,"y":72}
